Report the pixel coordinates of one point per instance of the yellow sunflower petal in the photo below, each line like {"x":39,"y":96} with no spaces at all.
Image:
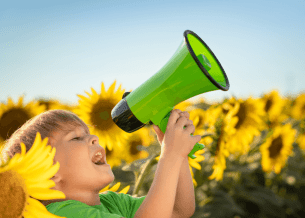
{"x":46,"y":174}
{"x":46,"y":194}
{"x":83,"y":98}
{"x":41,"y":184}
{"x":125,"y":190}
{"x":115,"y":187}
{"x":195,"y":165}
{"x":37,"y":209}
{"x":34,"y":161}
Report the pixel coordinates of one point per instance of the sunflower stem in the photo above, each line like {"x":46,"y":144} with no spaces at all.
{"x":146,"y":168}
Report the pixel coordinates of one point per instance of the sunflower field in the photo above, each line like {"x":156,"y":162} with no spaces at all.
{"x":253,"y":163}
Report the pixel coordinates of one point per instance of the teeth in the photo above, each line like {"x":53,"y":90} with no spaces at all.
{"x":98,"y":158}
{"x":98,"y":153}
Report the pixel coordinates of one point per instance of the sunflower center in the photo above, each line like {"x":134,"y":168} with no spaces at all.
{"x":13,"y":194}
{"x":11,"y":120}
{"x":133,"y":147}
{"x":241,"y":115}
{"x":275,"y":147}
{"x":268,"y":105}
{"x":101,"y":115}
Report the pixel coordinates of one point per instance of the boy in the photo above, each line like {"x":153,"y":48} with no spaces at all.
{"x":84,"y":172}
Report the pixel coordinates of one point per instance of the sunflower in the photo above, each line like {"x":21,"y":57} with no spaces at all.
{"x":203,"y":104}
{"x":52,"y":104}
{"x":301,"y":136}
{"x":12,"y":116}
{"x":26,"y":178}
{"x":277,"y":147}
{"x":298,"y":108}
{"x":184,"y":105}
{"x":224,"y":129}
{"x":301,"y":140}
{"x":204,"y":121}
{"x":113,"y":156}
{"x":115,"y":188}
{"x":96,"y":112}
{"x":219,"y":166}
{"x":198,"y":116}
{"x":194,"y":163}
{"x":249,"y":123}
{"x":131,"y":151}
{"x":228,"y":104}
{"x":274,"y":105}
{"x":2,"y":154}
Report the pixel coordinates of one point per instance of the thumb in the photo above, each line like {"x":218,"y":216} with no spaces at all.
{"x":157,"y":130}
{"x":159,"y":133}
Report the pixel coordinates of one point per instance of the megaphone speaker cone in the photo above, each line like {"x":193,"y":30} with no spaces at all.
{"x":192,"y":70}
{"x":206,"y":60}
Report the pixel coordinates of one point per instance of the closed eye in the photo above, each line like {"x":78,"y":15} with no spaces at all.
{"x":76,"y":138}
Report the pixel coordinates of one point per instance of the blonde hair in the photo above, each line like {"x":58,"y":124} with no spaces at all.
{"x":44,"y":123}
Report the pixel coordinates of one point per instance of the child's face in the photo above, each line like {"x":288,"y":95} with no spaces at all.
{"x":74,"y":152}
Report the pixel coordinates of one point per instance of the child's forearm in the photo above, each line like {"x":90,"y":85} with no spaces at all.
{"x":185,"y":204}
{"x":160,"y":199}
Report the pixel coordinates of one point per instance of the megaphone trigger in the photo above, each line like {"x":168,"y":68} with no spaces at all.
{"x":196,"y":147}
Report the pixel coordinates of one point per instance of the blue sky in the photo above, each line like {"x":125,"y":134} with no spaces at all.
{"x":58,"y":49}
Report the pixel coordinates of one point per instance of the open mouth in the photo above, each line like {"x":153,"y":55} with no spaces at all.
{"x":99,"y":159}
{"x":99,"y":163}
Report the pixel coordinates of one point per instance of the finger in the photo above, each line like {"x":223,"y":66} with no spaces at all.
{"x":177,"y":110}
{"x":173,"y":118}
{"x":189,"y":122}
{"x":157,"y":129}
{"x":182,"y":121}
{"x":190,"y":129}
{"x":186,"y":114}
{"x":197,"y":138}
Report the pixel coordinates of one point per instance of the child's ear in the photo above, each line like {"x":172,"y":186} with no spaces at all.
{"x":56,"y":178}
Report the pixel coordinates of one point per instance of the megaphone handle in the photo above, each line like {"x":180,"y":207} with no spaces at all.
{"x":163,"y":125}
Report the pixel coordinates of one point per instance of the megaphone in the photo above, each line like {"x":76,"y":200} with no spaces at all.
{"x":192,"y":70}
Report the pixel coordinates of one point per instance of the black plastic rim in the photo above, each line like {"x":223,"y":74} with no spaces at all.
{"x":201,"y":66}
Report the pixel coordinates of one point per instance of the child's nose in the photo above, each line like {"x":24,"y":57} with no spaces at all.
{"x":94,"y":139}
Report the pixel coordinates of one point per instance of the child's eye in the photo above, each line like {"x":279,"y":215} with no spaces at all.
{"x":76,"y":138}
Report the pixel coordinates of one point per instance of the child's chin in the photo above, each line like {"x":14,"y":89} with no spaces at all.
{"x":101,"y":165}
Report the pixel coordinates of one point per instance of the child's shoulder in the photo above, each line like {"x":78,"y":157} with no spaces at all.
{"x":61,"y":204}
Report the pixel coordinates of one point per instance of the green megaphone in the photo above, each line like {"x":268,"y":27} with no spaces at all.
{"x":192,"y":70}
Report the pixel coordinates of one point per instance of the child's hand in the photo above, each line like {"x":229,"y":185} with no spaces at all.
{"x":176,"y":139}
{"x":160,"y":134}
